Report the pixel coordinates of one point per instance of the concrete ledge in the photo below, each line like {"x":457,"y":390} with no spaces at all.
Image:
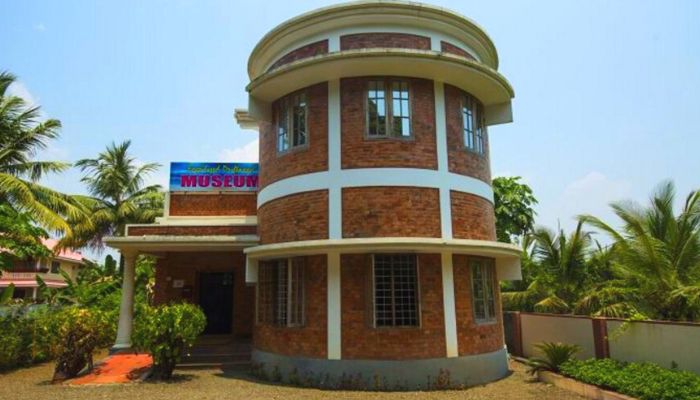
{"x":385,"y":375}
{"x":580,"y":388}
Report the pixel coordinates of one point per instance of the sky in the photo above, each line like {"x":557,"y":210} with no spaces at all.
{"x":606,"y":92}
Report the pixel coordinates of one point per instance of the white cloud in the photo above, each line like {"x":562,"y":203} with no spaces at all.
{"x":18,"y":89}
{"x":245,"y":153}
{"x":590,"y":194}
{"x":40,"y":27}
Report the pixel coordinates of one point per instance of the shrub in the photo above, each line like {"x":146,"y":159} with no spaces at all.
{"x":553,"y":356}
{"x":78,"y":333}
{"x":645,"y":381}
{"x":166,"y":332}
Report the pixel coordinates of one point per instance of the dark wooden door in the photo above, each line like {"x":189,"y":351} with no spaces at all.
{"x":216,"y":300}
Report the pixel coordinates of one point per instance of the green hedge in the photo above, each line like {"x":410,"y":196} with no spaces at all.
{"x":645,"y":381}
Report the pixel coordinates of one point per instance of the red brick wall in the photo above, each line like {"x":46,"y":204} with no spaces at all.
{"x":309,"y":340}
{"x":310,"y":158}
{"x":472,"y":217}
{"x":192,"y":230}
{"x":391,"y":211}
{"x":452,"y":49}
{"x":384,"y":39}
{"x":461,"y":160}
{"x":193,"y":204}
{"x":310,"y":50}
{"x":358,"y":151}
{"x":302,"y":216}
{"x":186,"y":265}
{"x":471,"y":337}
{"x":361,"y":341}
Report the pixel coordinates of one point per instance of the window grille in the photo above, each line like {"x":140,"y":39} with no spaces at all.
{"x":483,"y":280}
{"x":395,"y":290}
{"x":280,"y":292}
{"x":473,"y":124}
{"x":388,"y":111}
{"x":292,"y":122}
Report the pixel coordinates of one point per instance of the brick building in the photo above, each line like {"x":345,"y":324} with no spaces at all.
{"x":368,"y":252}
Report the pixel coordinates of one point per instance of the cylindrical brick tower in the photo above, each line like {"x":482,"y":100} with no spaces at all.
{"x":378,"y":265}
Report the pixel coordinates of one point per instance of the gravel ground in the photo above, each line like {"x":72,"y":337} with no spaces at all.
{"x":33,"y":384}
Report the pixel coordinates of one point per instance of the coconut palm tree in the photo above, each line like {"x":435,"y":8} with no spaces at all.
{"x":22,"y":135}
{"x":559,"y":272}
{"x":657,"y":254}
{"x":115,"y":182}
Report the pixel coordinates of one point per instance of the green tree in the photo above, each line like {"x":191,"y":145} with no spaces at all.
{"x":115,"y":182}
{"x":557,"y":272}
{"x":19,"y":237}
{"x":656,"y":257}
{"x":22,"y":135}
{"x":514,"y":203}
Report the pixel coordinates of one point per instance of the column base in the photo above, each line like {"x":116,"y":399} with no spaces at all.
{"x":121,"y":349}
{"x":383,"y":375}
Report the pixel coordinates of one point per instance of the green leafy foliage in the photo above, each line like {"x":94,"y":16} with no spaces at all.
{"x":81,"y":331}
{"x":19,"y":237}
{"x":115,"y":181}
{"x":166,"y":332}
{"x":645,"y":381}
{"x":553,"y":355}
{"x":513,"y":205}
{"x":22,"y":135}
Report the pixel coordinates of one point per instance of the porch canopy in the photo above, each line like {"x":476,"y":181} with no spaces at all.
{"x":131,"y":246}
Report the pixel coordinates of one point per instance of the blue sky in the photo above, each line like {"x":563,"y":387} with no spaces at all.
{"x":607,"y":92}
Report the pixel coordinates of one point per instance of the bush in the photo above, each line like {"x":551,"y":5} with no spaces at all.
{"x":26,"y":336}
{"x":553,"y":356}
{"x":166,"y":332}
{"x":79,"y":332}
{"x":645,"y":381}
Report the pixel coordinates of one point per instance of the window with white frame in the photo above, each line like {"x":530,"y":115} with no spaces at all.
{"x":292,"y":129}
{"x":473,"y":124}
{"x":280,"y":292}
{"x":55,"y":267}
{"x":483,"y":281}
{"x":388,"y":108}
{"x":395,"y":284}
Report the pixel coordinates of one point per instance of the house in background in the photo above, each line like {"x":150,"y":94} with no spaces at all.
{"x":24,"y":272}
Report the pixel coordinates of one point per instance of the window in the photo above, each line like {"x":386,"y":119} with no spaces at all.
{"x":291,"y":122}
{"x":55,"y":267}
{"x":483,"y":290}
{"x":395,"y":281}
{"x":473,"y":124}
{"x":388,"y":111}
{"x":281,"y":292}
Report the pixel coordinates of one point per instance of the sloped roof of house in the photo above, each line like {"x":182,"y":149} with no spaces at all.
{"x":64,"y":254}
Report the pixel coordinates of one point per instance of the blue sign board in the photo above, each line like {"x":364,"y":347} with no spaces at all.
{"x":213,"y":177}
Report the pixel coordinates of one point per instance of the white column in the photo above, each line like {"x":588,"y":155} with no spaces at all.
{"x":333,"y":311}
{"x":443,"y":166}
{"x":126,"y":310}
{"x":335,"y":206}
{"x":34,"y":290}
{"x":448,"y":301}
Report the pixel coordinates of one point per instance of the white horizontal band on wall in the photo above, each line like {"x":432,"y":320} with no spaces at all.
{"x":361,"y":177}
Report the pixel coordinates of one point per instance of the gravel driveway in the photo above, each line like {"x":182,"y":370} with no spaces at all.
{"x":32,"y":384}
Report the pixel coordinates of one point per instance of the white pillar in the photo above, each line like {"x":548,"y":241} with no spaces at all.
{"x":333,"y":310}
{"x":34,"y":290}
{"x":448,"y":301}
{"x":126,"y":310}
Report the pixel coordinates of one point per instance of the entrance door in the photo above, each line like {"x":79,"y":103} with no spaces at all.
{"x":216,"y":300}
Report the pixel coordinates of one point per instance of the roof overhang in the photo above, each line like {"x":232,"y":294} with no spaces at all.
{"x":485,"y":83}
{"x":370,"y":14}
{"x":507,"y":256}
{"x":158,"y":244}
